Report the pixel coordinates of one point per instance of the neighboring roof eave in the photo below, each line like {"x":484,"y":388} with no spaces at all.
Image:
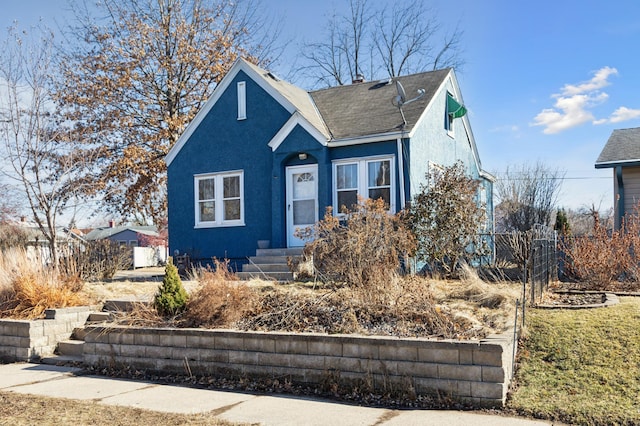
{"x":610,"y":164}
{"x":488,"y":176}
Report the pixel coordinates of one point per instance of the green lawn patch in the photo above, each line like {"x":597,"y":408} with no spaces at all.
{"x":581,"y":366}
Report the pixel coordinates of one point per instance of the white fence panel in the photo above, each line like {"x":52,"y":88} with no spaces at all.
{"x":144,"y":257}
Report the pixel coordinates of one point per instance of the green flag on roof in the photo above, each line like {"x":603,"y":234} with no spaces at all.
{"x":454,"y":109}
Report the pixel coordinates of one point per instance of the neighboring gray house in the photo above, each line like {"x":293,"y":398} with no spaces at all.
{"x":145,"y":251}
{"x":622,"y":154}
{"x":131,"y":236}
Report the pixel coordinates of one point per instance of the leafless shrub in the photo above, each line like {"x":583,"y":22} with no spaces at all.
{"x":361,"y":249}
{"x":606,"y":259}
{"x":12,"y":236}
{"x":142,"y":314}
{"x":96,"y":260}
{"x":519,"y":244}
{"x":447,"y":220}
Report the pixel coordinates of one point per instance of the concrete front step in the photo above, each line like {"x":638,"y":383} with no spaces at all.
{"x":297,"y":251}
{"x":78,"y":333}
{"x":71,"y":347}
{"x":100,"y":317}
{"x":278,"y":276}
{"x":124,"y":305}
{"x":271,"y":260}
{"x":60,"y":360}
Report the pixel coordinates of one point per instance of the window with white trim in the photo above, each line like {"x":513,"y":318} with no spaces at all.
{"x":367,"y":177}
{"x":448,"y":118}
{"x":242,"y":100}
{"x":219,"y":199}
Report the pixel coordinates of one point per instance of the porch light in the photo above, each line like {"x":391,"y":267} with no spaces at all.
{"x":302,"y":156}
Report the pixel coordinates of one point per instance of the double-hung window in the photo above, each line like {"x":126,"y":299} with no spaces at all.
{"x":367,"y":177}
{"x":219,"y":199}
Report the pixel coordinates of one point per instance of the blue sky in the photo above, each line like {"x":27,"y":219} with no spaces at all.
{"x":543,"y":80}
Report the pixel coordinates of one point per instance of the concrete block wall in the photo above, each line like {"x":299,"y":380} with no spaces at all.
{"x":475,"y":371}
{"x":28,"y":340}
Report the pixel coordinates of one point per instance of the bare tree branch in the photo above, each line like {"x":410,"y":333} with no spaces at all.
{"x":400,"y":39}
{"x":527,"y":195}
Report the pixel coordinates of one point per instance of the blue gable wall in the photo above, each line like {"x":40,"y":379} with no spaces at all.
{"x":223,"y":143}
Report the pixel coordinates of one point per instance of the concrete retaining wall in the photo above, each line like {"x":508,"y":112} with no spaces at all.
{"x":476,"y":371}
{"x":28,"y":340}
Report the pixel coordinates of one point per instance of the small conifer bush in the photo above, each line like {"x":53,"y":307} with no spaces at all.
{"x":171,"y":298}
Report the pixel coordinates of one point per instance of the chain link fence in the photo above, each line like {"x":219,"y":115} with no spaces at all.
{"x":530,"y":257}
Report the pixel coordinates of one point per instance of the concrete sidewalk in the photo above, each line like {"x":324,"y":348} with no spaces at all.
{"x":61,"y":382}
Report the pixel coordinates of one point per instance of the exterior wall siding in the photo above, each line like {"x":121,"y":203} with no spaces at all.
{"x":125,"y":236}
{"x":631,"y":180}
{"x":223,"y":143}
{"x":432,"y":143}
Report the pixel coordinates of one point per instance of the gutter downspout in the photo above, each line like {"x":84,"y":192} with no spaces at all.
{"x":620,"y":198}
{"x":401,"y":172}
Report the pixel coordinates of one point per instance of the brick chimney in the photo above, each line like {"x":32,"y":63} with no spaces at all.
{"x":359,"y":79}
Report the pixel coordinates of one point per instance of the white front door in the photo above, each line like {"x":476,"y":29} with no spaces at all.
{"x":302,"y":201}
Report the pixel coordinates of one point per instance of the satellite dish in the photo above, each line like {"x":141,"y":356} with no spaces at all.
{"x":402,"y":95}
{"x":401,"y":99}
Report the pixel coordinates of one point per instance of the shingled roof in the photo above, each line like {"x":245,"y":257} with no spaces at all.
{"x":364,"y":109}
{"x":623,"y":147}
{"x":294,"y":94}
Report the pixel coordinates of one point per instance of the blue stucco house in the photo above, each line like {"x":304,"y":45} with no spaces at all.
{"x":263,"y":157}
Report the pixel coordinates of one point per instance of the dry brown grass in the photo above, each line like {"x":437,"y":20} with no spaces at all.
{"x":220,"y":300}
{"x":405,"y":306}
{"x":488,"y":306}
{"x":20,"y":409}
{"x":408,"y":306}
{"x":27,"y":287}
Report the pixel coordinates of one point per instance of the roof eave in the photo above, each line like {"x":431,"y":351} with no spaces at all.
{"x":610,"y":164}
{"x":357,"y":140}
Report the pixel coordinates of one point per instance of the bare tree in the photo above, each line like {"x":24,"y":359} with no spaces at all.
{"x":136,"y":72}
{"x":393,"y":40}
{"x":527,"y":195}
{"x":40,"y":161}
{"x":9,"y":204}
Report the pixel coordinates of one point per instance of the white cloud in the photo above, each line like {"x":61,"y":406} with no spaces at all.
{"x":568,"y":112}
{"x":598,"y":81}
{"x":574,"y":103}
{"x":619,"y":115}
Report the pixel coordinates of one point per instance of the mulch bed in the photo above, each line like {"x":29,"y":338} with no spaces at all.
{"x":574,"y":299}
